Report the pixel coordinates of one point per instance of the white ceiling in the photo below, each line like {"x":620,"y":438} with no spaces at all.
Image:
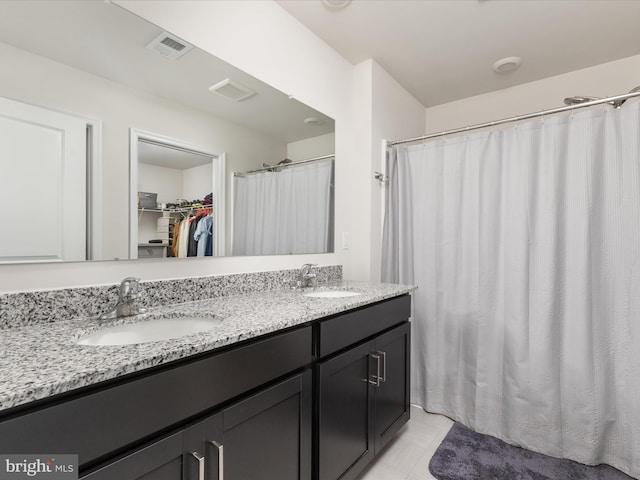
{"x":443,"y":50}
{"x":104,"y":39}
{"x":167,"y":157}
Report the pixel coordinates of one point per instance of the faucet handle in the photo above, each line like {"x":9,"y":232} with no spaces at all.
{"x":130,"y":288}
{"x":306,"y":268}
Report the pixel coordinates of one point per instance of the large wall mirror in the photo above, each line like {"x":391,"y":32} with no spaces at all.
{"x":119,"y":140}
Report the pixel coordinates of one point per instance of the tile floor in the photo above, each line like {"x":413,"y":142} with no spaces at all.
{"x":407,"y":456}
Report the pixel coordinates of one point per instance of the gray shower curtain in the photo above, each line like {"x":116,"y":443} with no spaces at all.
{"x":525,"y":247}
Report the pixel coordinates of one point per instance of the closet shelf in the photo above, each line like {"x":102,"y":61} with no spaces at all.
{"x":181,"y":210}
{"x":171,"y":210}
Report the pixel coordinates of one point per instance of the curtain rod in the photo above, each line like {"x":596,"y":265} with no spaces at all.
{"x":517,"y":118}
{"x":284,"y":165}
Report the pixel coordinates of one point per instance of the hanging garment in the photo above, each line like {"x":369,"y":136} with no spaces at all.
{"x":184,"y":237}
{"x":203,"y":231}
{"x":525,"y":246}
{"x":175,"y":240}
{"x":192,"y":247}
{"x":209,"y":248}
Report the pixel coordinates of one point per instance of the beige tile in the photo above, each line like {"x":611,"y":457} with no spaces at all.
{"x":402,"y":454}
{"x":380,"y":471}
{"x":421,"y":468}
{"x":407,"y":456}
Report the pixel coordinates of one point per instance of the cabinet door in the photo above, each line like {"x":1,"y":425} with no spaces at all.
{"x":392,"y":394}
{"x":159,"y":461}
{"x":345,"y":442}
{"x":266,"y":436}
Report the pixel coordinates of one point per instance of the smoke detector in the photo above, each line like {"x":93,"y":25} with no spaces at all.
{"x":169,"y":46}
{"x":232,"y":90}
{"x":507,"y":64}
{"x":312,"y":121}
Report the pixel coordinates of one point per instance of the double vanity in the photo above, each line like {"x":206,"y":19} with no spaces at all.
{"x":281,"y":384}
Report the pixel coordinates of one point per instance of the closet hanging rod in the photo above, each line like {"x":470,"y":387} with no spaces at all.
{"x":284,"y":165}
{"x":517,"y":118}
{"x":174,"y":147}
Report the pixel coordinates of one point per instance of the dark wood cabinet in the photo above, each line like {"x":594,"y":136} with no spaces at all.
{"x":392,"y":394}
{"x":363,"y":395}
{"x":105,"y":419}
{"x":264,"y":436}
{"x":345,"y":413}
{"x":161,"y":460}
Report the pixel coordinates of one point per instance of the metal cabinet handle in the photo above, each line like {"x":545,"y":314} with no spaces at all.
{"x":384,"y":366}
{"x":376,"y":357}
{"x":220,"y":448}
{"x":200,"y":460}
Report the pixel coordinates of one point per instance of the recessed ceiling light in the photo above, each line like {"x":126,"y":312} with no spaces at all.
{"x":507,"y":64}
{"x":312,"y":121}
{"x":335,"y":3}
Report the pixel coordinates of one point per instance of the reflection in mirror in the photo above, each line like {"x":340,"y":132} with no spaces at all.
{"x":105,"y":79}
{"x":284,"y":209}
{"x":175,"y":186}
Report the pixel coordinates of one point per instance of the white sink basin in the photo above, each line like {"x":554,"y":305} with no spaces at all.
{"x":150,"y":331}
{"x":332,"y":294}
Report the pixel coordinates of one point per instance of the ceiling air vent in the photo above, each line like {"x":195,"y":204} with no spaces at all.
{"x":232,"y":90}
{"x":169,"y":46}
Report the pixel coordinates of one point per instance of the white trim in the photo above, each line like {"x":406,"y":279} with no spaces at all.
{"x":219,"y":196}
{"x":232,"y":196}
{"x":383,"y":190}
{"x":94,"y":192}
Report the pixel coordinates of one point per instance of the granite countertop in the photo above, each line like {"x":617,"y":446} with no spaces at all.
{"x":39,"y":361}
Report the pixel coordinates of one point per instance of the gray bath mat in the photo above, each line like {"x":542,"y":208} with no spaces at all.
{"x":467,"y":455}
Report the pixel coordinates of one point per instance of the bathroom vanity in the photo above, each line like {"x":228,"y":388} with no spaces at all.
{"x":311,"y":388}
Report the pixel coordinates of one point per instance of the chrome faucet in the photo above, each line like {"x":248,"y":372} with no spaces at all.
{"x":306,"y":277}
{"x":128,"y":304}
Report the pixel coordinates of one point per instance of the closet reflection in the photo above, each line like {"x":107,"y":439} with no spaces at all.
{"x":174,"y":201}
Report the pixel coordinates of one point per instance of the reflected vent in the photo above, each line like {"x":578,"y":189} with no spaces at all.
{"x":169,"y":46}
{"x":232,"y":90}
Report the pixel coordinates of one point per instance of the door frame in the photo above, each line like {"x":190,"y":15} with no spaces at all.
{"x":218,"y":161}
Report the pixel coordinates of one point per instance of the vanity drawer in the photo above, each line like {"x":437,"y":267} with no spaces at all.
{"x":347,"y":329}
{"x":102,"y":421}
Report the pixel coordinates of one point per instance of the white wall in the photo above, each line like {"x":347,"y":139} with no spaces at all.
{"x":603,"y":80}
{"x":386,"y":111}
{"x":197,"y":182}
{"x":166,"y":182}
{"x":312,"y":147}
